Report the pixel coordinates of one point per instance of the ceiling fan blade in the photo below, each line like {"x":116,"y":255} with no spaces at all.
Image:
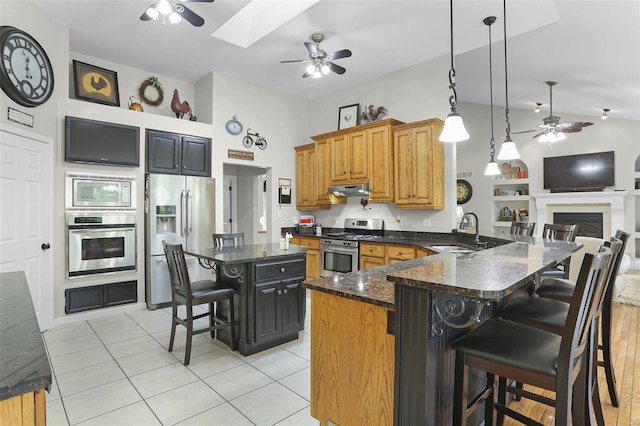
{"x":336,"y":68}
{"x":344,"y":53}
{"x":189,"y":15}
{"x":573,"y":127}
{"x":311,"y":48}
{"x":144,"y":16}
{"x":524,"y":131}
{"x":306,"y":74}
{"x":295,"y":60}
{"x":199,"y":1}
{"x":539,"y":134}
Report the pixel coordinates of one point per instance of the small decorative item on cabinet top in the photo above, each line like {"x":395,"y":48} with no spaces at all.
{"x":133,"y":105}
{"x":181,"y":108}
{"x":371,"y":114}
{"x":348,"y":116}
{"x":96,"y":84}
{"x":154,"y":84}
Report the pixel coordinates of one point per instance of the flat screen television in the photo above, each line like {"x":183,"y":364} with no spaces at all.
{"x":99,"y":142}
{"x":583,"y":172}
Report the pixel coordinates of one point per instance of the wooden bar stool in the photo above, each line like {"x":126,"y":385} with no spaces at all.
{"x":562,"y":289}
{"x":190,"y":294}
{"x":522,"y":228}
{"x":235,"y":239}
{"x":530,"y":355}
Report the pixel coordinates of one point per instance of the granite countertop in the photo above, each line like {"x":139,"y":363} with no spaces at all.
{"x":24,"y":366}
{"x":492,"y":273}
{"x":246,"y":253}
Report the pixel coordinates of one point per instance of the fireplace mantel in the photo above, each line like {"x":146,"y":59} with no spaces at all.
{"x":609,"y":202}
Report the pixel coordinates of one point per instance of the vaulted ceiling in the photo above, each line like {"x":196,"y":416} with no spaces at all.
{"x":591,"y":48}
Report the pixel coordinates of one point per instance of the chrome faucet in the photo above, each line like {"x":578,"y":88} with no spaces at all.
{"x":475,"y":216}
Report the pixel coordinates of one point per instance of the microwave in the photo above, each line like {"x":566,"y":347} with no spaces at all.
{"x":98,"y":191}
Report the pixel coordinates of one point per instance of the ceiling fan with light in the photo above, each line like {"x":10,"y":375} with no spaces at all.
{"x":321,"y":62}
{"x":175,"y":11}
{"x":552,"y":130}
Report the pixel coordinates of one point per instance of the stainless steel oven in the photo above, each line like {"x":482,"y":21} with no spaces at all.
{"x":339,"y":254}
{"x":338,"y":257}
{"x":100,"y":243}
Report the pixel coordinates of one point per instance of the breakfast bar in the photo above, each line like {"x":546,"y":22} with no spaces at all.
{"x":380,"y":338}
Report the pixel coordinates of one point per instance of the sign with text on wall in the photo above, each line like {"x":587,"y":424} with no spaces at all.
{"x":284,"y":190}
{"x":240,"y":155}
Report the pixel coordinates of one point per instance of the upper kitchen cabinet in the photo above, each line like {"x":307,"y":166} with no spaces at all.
{"x":381,"y":176}
{"x":306,"y":179}
{"x":176,"y":154}
{"x":323,"y":174}
{"x":350,"y":157}
{"x":419,"y":165}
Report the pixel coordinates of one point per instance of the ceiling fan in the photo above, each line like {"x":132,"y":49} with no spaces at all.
{"x":552,"y":129}
{"x":174,"y":11}
{"x":321,"y":62}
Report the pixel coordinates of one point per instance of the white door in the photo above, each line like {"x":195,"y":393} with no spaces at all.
{"x":26,"y":187}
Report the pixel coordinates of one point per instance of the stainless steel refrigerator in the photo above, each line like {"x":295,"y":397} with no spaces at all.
{"x":178,"y":210}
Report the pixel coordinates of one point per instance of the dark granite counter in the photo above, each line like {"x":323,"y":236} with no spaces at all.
{"x":247,"y":253}
{"x":24,"y":366}
{"x":492,"y":273}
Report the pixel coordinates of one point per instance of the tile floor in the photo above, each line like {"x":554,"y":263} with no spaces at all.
{"x":117,"y":371}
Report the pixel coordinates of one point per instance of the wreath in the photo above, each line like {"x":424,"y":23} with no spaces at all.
{"x":151,"y":82}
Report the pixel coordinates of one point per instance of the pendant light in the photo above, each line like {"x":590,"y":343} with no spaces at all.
{"x":492,"y":168}
{"x":453,"y":130}
{"x":508,"y":151}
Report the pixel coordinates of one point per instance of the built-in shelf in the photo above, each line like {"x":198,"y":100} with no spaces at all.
{"x":511,"y":198}
{"x":511,"y":192}
{"x":503,"y":182}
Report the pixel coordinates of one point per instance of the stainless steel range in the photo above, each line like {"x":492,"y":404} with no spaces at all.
{"x":339,"y":252}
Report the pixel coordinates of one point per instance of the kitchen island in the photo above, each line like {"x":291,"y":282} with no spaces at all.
{"x":269,"y":303}
{"x":24,"y":366}
{"x":380,"y":338}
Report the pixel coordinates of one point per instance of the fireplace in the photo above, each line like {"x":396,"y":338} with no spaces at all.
{"x":589,"y":224}
{"x":610,"y":204}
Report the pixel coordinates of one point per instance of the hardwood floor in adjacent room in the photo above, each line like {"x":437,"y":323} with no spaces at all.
{"x":626,"y":352}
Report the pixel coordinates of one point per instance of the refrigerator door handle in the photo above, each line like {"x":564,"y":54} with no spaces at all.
{"x":189,"y":212}
{"x":182,"y":208}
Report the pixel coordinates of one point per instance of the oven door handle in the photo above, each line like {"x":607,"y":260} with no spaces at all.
{"x":90,"y":231}
{"x":340,"y":250}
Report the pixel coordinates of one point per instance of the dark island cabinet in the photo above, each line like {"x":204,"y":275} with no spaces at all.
{"x":279,"y":300}
{"x":176,"y":154}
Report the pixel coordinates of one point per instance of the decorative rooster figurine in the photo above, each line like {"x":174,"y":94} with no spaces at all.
{"x":180,"y":108}
{"x":372,"y":114}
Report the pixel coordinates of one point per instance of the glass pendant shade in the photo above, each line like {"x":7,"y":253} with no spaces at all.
{"x":508,"y":151}
{"x":164,"y":7}
{"x":174,"y":18}
{"x":152,"y":13}
{"x":453,"y":130}
{"x":492,"y":169}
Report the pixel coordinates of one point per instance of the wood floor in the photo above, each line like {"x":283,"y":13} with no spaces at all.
{"x":626,"y":352}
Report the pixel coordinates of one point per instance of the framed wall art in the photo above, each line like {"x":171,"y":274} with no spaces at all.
{"x":96,"y":84}
{"x":348,"y":116}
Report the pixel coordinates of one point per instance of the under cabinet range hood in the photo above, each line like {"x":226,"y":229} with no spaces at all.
{"x":355,"y":190}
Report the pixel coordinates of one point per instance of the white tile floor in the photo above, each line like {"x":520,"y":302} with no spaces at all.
{"x":117,"y":371}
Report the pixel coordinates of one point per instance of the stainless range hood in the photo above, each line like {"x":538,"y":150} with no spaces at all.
{"x":355,"y":190}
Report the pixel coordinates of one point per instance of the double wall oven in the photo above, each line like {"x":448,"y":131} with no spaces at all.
{"x":100,"y":224}
{"x":339,"y":251}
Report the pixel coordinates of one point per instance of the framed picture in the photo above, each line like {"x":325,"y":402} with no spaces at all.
{"x":348,"y":116}
{"x":96,"y":84}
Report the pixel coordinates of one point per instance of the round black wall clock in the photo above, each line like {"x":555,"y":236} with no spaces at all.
{"x":26,"y":75}
{"x":463,"y":191}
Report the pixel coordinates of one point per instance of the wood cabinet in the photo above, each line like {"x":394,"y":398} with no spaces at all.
{"x":306,"y":179}
{"x":419,"y":165}
{"x":350,"y":157}
{"x":379,"y":254}
{"x":352,"y":362}
{"x":313,"y":255}
{"x":279,"y":299}
{"x":28,"y":409}
{"x":176,"y":154}
{"x":323,"y":174}
{"x":381,"y":176}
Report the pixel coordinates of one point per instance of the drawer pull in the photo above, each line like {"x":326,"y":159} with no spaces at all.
{"x":279,"y":292}
{"x":282,"y":269}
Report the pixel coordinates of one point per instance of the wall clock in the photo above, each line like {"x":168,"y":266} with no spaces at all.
{"x":26,"y":75}
{"x":233,"y":126}
{"x":464,"y":191}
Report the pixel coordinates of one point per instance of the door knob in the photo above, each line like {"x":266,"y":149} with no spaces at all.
{"x":45,"y":246}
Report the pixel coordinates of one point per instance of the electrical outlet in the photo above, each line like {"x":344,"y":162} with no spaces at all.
{"x":399,"y":219}
{"x":426,"y":222}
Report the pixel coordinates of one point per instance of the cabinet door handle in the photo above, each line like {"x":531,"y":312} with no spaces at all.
{"x":285,"y":291}
{"x":282,"y":269}
{"x":279,"y":292}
